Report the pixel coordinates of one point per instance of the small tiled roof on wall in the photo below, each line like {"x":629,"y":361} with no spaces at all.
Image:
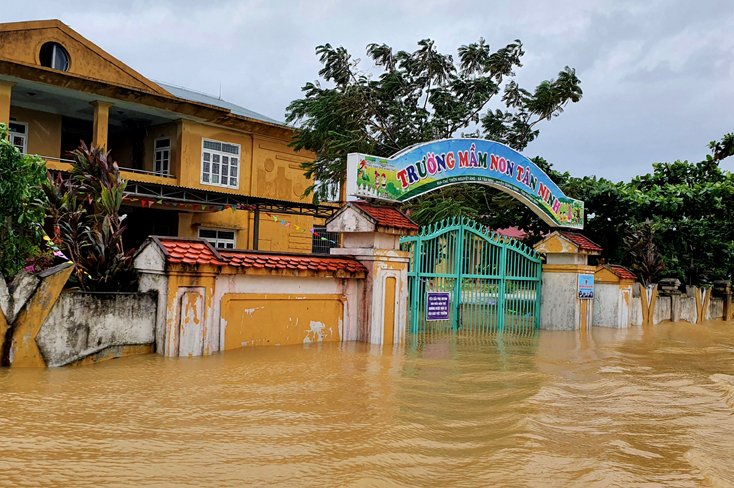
{"x":513,"y":232}
{"x":584,"y":243}
{"x":621,"y":271}
{"x":254,"y":259}
{"x":190,"y":251}
{"x":387,"y":216}
{"x":200,"y":252}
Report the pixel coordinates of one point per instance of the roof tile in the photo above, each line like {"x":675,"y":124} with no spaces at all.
{"x":584,"y":243}
{"x":387,"y":216}
{"x":195,"y":251}
{"x":621,"y":271}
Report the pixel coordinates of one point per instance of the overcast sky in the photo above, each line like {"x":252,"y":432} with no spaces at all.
{"x":657,"y":76}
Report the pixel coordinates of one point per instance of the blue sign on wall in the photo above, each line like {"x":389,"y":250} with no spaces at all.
{"x":437,"y":305}
{"x":586,"y":287}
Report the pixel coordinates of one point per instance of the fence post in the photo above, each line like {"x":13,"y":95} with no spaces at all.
{"x":501,"y":312}
{"x":458,"y":268}
{"x":416,"y":288}
{"x":538,"y":288}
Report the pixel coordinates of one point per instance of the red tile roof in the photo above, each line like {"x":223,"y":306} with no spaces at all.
{"x":190,"y":251}
{"x":621,"y":271}
{"x":302,"y":262}
{"x":584,"y":243}
{"x":387,"y":216}
{"x":200,"y":252}
{"x":513,"y":232}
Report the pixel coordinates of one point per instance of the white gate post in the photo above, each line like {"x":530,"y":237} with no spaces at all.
{"x":371,"y":234}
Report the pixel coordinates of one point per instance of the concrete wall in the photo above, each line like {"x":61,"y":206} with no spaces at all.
{"x":688,"y":312}
{"x":695,"y":307}
{"x":557,"y":301}
{"x":84,"y":324}
{"x":662,"y":311}
{"x":612,"y":305}
{"x":715,"y":309}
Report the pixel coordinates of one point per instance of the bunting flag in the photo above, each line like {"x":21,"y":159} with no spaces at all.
{"x":234,"y":208}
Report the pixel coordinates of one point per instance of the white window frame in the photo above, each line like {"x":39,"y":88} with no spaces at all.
{"x":165,"y":163}
{"x":212,"y":157}
{"x":24,"y":136}
{"x":215,"y":241}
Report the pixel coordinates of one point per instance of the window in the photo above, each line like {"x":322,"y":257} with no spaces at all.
{"x":54,"y":56}
{"x":162,"y":157}
{"x":220,"y":164}
{"x":221,"y":239}
{"x":320,"y":246}
{"x":18,"y":136}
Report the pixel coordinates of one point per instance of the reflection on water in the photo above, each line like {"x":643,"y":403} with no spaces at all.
{"x":636,"y":407}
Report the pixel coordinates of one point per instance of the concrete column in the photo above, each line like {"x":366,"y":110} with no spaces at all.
{"x":101,"y":123}
{"x":5,"y":89}
{"x":560,"y":306}
{"x":383,"y":311}
{"x":566,"y":258}
{"x":383,"y":304}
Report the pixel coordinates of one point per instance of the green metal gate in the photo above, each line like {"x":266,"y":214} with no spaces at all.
{"x":492,"y":282}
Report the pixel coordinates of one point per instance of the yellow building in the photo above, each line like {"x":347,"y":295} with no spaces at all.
{"x":186,"y":155}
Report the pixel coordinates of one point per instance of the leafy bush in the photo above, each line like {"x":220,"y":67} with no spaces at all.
{"x":21,"y":210}
{"x":85,"y":210}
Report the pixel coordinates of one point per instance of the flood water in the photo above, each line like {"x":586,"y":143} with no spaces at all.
{"x":637,"y":407}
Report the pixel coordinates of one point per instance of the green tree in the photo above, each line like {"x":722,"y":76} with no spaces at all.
{"x":688,"y":204}
{"x":21,"y":208}
{"x":417,"y":97}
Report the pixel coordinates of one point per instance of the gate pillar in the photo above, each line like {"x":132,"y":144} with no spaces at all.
{"x":562,"y":305}
{"x":371,"y":233}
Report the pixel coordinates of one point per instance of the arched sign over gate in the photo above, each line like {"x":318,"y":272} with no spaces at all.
{"x":425,"y":167}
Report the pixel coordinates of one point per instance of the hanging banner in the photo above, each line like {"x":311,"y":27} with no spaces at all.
{"x":425,"y":167}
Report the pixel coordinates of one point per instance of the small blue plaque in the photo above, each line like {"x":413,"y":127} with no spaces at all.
{"x":437,"y":306}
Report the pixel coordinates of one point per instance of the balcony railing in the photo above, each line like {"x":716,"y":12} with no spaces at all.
{"x":143,"y":172}
{"x":129,"y":170}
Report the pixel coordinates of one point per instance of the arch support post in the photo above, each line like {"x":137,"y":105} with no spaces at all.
{"x":372,"y":236}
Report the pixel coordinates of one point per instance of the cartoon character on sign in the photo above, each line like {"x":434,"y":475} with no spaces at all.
{"x":384,"y":184}
{"x":361,"y":173}
{"x":377,"y":181}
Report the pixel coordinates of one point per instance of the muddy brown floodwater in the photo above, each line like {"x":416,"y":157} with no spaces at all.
{"x":637,"y":407}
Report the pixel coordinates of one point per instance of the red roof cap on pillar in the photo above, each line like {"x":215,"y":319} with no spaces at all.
{"x":363,"y":217}
{"x":564,"y":241}
{"x":387,"y":216}
{"x":621,"y":271}
{"x":583,"y":242}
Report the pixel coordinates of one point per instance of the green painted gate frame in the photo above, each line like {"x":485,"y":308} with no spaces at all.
{"x":462,"y":226}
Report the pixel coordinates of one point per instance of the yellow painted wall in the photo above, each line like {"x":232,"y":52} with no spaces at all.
{"x":268,"y":168}
{"x":44,"y":131}
{"x":22,"y":41}
{"x":254,"y":319}
{"x":276,"y":170}
{"x":170,"y":131}
{"x":191,"y":135}
{"x":389,"y":318}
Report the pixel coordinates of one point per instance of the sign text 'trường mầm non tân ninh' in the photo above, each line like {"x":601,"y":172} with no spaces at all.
{"x":425,"y":167}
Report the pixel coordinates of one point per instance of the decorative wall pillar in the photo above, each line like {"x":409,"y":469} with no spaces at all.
{"x":101,"y":123}
{"x":561,"y":305}
{"x":5,"y":89}
{"x":613,"y":297}
{"x":371,"y":235}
